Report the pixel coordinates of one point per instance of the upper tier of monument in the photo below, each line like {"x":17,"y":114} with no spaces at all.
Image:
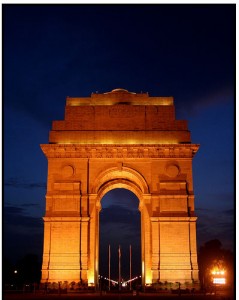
{"x":120,"y":117}
{"x":119,"y":96}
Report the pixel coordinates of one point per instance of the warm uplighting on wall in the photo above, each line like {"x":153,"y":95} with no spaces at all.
{"x":113,"y":142}
{"x":91,"y":280}
{"x":148,"y":279}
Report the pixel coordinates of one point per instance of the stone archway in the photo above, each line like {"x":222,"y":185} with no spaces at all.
{"x":120,"y":139}
{"x":130,"y":179}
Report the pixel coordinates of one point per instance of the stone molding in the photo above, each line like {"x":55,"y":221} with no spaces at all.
{"x":173,"y":219}
{"x":122,"y":151}
{"x":66,"y":219}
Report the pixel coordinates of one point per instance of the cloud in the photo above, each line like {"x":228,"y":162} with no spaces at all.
{"x":213,"y":97}
{"x":16,"y":216}
{"x":221,"y":95}
{"x":118,"y":214}
{"x":22,"y":234}
{"x":17,"y":183}
{"x":202,"y":209}
{"x":30,"y":205}
{"x":212,"y":224}
{"x":230,"y":212}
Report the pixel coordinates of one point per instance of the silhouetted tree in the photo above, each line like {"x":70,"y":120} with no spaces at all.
{"x":211,"y":255}
{"x":7,"y":271}
{"x":29,"y":269}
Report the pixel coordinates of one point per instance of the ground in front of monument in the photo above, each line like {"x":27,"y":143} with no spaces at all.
{"x":222,"y":295}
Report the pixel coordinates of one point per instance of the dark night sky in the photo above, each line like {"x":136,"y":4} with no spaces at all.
{"x":54,"y":51}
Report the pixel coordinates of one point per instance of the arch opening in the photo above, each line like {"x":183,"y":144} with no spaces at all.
{"x":120,"y":225}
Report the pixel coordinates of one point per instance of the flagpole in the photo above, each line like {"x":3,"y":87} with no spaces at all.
{"x":130,"y":266}
{"x":109,"y":267}
{"x":119,"y":269}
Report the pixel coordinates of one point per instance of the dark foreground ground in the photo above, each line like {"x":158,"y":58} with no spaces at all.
{"x":102,"y":296}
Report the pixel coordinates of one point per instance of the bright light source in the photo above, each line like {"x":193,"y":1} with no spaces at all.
{"x":218,"y":272}
{"x":91,"y":279}
{"x":219,"y":280}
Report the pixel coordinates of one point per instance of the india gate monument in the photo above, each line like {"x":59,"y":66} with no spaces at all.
{"x":120,"y":139}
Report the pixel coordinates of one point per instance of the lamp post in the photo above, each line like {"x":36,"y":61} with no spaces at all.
{"x":218,"y":277}
{"x":15,"y":277}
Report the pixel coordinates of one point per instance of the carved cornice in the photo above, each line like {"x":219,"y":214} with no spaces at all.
{"x":119,"y":151}
{"x":173,"y":219}
{"x":66,"y":219}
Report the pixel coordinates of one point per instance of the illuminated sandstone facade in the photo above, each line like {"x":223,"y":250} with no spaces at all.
{"x":120,"y":140}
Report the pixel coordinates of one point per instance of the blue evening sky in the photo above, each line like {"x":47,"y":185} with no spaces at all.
{"x":54,"y":51}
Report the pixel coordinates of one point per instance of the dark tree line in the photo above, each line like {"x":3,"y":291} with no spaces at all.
{"x":26,"y":271}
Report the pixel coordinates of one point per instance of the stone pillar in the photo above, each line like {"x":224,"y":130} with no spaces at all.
{"x":175,"y":255}
{"x":84,"y":245}
{"x":46,"y":251}
{"x":61,"y":258}
{"x":93,"y":261}
{"x":146,"y":241}
{"x":155,"y":236}
{"x":193,"y":249}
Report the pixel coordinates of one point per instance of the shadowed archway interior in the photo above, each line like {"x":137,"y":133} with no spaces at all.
{"x":120,"y":225}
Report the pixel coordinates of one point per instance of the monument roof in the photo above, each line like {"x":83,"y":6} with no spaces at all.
{"x":119,"y":96}
{"x":119,"y":90}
